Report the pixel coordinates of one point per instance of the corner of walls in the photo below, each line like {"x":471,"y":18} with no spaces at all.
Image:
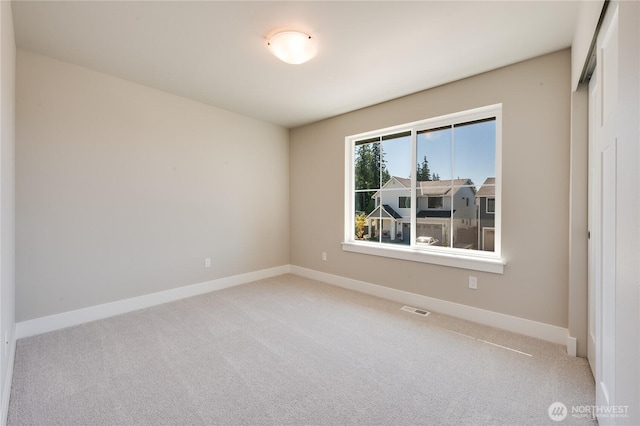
{"x":7,"y":203}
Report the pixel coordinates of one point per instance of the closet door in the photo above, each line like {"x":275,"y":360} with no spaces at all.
{"x":603,"y":106}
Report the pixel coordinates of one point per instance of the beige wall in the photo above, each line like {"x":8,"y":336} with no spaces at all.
{"x":578,"y":218}
{"x":536,"y":129}
{"x":7,"y":197}
{"x":122,"y":190}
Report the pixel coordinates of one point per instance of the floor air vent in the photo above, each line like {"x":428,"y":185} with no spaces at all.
{"x":415,"y":311}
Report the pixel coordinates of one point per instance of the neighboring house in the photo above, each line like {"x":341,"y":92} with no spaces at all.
{"x":442,"y":207}
{"x":486,"y":197}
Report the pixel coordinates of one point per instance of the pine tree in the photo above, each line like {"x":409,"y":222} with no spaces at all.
{"x":423,"y":173}
{"x":370,"y":173}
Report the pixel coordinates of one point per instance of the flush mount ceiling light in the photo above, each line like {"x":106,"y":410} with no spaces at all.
{"x":293,"y":47}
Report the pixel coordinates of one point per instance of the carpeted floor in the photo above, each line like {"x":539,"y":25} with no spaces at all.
{"x":288,"y":350}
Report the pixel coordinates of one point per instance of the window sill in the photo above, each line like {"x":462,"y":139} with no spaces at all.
{"x":455,"y":260}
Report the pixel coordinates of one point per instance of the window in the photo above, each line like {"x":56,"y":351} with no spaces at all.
{"x":404,"y":202}
{"x":434,"y":202}
{"x":414,"y":191}
{"x":491,"y":205}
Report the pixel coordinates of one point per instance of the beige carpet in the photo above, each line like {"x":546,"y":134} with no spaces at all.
{"x":289,"y":350}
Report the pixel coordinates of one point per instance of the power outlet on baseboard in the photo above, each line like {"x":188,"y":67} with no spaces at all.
{"x":473,"y":283}
{"x":207,"y":262}
{"x":324,"y":255}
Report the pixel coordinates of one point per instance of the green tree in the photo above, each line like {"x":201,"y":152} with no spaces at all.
{"x":423,"y":172}
{"x":380,"y":164}
{"x":370,"y":173}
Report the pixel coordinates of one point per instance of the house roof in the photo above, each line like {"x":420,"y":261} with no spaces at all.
{"x":430,"y":187}
{"x":404,"y":181}
{"x":440,"y":187}
{"x":387,"y":212}
{"x":488,"y":188}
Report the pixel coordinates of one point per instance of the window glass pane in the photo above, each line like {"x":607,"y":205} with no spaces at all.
{"x":390,"y":219}
{"x":402,"y":207}
{"x":396,"y":157}
{"x":433,"y":152}
{"x":486,"y":218}
{"x":464,"y":218}
{"x":488,"y":239}
{"x":365,"y":215}
{"x":364,"y":210}
{"x":367,"y":166}
{"x":434,"y":202}
{"x":474,"y":147}
{"x":491,"y":205}
{"x":433,"y":213}
{"x":365,"y":202}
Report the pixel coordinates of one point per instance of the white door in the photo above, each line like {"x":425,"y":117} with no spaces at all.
{"x":603,"y":103}
{"x":488,"y":238}
{"x":594,"y":221}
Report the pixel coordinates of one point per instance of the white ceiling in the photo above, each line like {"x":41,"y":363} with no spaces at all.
{"x":370,"y":52}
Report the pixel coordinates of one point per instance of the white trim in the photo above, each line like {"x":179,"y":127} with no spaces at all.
{"x":519,"y":325}
{"x":92,"y":313}
{"x":351,"y":244}
{"x":449,"y":257}
{"x":547,"y":332}
{"x":6,"y":386}
{"x":572,"y":346}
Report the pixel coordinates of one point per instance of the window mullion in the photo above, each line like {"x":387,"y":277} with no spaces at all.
{"x":414,"y":195}
{"x":451,"y":186}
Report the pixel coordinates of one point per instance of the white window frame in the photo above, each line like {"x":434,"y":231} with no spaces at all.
{"x":447,"y":256}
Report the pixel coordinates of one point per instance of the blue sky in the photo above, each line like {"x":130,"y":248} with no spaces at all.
{"x":474,"y":152}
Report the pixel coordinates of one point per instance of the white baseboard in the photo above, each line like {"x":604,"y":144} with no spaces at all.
{"x":572,"y":346}
{"x":92,"y":313}
{"x":527,"y":327}
{"x":549,"y":333}
{"x":6,"y":386}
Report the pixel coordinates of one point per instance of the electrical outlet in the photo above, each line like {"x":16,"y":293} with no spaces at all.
{"x":473,"y":283}
{"x":207,"y":263}
{"x":324,"y":255}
